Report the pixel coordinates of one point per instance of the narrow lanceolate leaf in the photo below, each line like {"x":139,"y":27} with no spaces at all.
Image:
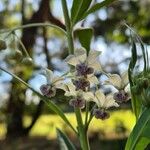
{"x":96,"y":7}
{"x":136,"y":103}
{"x":64,"y":141}
{"x":78,"y":9}
{"x":50,"y":104}
{"x":146,"y":132}
{"x":142,"y":143}
{"x":76,"y":6}
{"x":85,"y":36}
{"x":132,"y":61}
{"x":138,"y":130}
{"x":144,"y":56}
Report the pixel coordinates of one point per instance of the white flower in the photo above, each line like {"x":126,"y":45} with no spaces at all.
{"x":80,"y":57}
{"x":53,"y":80}
{"x":119,"y":82}
{"x":70,"y":90}
{"x":103,"y":101}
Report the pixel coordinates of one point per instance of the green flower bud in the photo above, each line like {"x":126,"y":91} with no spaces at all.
{"x":27,"y":61}
{"x":145,"y":96}
{"x":135,"y":89}
{"x":16,"y":55}
{"x":3,"y":45}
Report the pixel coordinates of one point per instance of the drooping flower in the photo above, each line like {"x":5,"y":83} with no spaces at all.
{"x":53,"y":82}
{"x":103,"y":102}
{"x":79,"y":97}
{"x":121,"y":96}
{"x":85,"y":65}
{"x":120,"y":83}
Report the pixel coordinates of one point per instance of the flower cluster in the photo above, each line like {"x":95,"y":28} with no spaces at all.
{"x":81,"y":81}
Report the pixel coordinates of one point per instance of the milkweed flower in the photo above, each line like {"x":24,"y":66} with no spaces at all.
{"x":103,"y":103}
{"x":120,"y":83}
{"x":84,"y":64}
{"x":53,"y":82}
{"x":79,"y":97}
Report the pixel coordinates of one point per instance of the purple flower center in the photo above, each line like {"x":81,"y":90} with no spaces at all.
{"x":101,"y":114}
{"x":47,"y":90}
{"x":121,"y":96}
{"x":81,"y":84}
{"x":77,"y":103}
{"x":83,"y":69}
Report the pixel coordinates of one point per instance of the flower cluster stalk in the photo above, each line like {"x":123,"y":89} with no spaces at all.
{"x":82,"y":130}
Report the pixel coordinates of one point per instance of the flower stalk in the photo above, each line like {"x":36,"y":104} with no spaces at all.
{"x":82,"y":131}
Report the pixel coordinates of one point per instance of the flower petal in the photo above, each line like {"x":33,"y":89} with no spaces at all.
{"x":88,"y":96}
{"x":96,"y":66}
{"x":115,"y":80}
{"x":93,"y":79}
{"x":110,"y":102}
{"x":125,"y":79}
{"x":100,"y":98}
{"x":49,"y":76}
{"x":80,"y":54}
{"x":92,"y":57}
{"x":70,"y":89}
{"x":72,"y":60}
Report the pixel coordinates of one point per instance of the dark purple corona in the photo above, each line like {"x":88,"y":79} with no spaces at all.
{"x":83,"y":69}
{"x":81,"y":84}
{"x":101,"y":114}
{"x":47,"y":90}
{"x":121,"y":96}
{"x":77,"y":102}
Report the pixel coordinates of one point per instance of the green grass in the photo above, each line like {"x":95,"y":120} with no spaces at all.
{"x":46,"y":124}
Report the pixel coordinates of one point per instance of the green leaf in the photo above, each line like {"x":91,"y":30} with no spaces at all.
{"x":138,"y":130}
{"x":144,"y":55}
{"x":97,"y":7}
{"x":146,"y":132}
{"x":142,"y":143}
{"x":136,"y":103}
{"x":75,"y":8}
{"x":50,"y":104}
{"x":78,"y":9}
{"x":85,"y":36}
{"x":65,"y":143}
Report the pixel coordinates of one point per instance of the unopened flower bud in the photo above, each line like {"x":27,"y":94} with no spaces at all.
{"x":121,"y":96}
{"x":77,"y":102}
{"x":47,"y":90}
{"x":16,"y":55}
{"x":101,"y":114}
{"x":27,"y":61}
{"x":145,"y":97}
{"x":136,"y":90}
{"x":3,"y":45}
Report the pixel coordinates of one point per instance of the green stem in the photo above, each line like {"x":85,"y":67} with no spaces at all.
{"x":22,"y":45}
{"x":32,"y":25}
{"x":86,"y":113}
{"x":82,"y":131}
{"x":68,"y":27}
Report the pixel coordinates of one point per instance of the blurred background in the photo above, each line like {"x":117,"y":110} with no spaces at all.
{"x":25,"y":121}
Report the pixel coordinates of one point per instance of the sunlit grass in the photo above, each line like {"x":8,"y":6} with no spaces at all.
{"x":47,"y":124}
